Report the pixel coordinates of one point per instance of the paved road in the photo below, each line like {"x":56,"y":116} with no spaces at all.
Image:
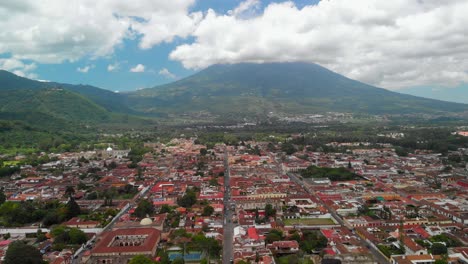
{"x":90,"y":243}
{"x":228,"y":213}
{"x":375,"y":252}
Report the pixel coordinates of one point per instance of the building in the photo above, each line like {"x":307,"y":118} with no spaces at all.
{"x":119,"y":246}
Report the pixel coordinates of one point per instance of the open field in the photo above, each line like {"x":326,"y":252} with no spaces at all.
{"x":309,"y":221}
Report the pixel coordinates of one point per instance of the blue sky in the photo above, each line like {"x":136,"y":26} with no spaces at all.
{"x":129,"y":54}
{"x":399,"y":45}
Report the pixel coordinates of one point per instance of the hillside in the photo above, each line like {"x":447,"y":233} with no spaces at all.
{"x":249,"y":88}
{"x":107,"y":99}
{"x":50,"y":106}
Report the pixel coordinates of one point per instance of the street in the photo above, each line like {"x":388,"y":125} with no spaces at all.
{"x":228,"y":214}
{"x":375,"y":252}
{"x":90,"y":243}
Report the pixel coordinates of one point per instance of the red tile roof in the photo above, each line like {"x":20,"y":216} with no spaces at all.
{"x":104,"y":244}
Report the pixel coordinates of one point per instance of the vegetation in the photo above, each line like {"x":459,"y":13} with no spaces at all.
{"x":438,"y":249}
{"x":188,"y":200}
{"x":141,"y":259}
{"x":311,"y":240}
{"x":301,"y":91}
{"x":309,"y":221}
{"x":144,"y":208}
{"x":445,"y":239}
{"x":334,"y":174}
{"x":67,"y":236}
{"x":207,"y":210}
{"x":274,"y":235}
{"x":19,"y":252}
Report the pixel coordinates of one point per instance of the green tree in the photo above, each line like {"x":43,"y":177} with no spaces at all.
{"x":77,"y":236}
{"x":178,"y":261}
{"x":112,"y":165}
{"x":69,"y":191}
{"x":188,"y":200}
{"x":2,"y":196}
{"x":165,"y":208}
{"x":288,"y":148}
{"x":274,"y":235}
{"x":144,"y":208}
{"x":109,"y":194}
{"x":163,"y":257}
{"x":207,"y":210}
{"x":19,"y":252}
{"x":73,"y":209}
{"x":141,"y":259}
{"x":203,"y":151}
{"x":312,"y":241}
{"x":438,"y":249}
{"x":213,"y":182}
{"x":269,"y":211}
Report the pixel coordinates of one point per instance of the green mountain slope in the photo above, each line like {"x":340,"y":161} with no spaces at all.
{"x":249,"y":88}
{"x":109,"y":100}
{"x":55,"y":102}
{"x":52,"y":107}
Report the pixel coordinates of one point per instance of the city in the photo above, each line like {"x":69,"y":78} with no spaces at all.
{"x":249,"y":202}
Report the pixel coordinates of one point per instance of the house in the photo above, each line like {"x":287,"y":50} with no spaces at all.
{"x":284,"y":247}
{"x":119,"y":246}
{"x":80,"y":223}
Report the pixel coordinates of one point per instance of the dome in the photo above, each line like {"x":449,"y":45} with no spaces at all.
{"x":109,"y":149}
{"x":146,"y":221}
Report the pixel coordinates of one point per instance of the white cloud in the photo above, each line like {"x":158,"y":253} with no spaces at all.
{"x":18,"y":67}
{"x":249,"y":7}
{"x":113,"y":67}
{"x":166,"y":73}
{"x":138,"y":68}
{"x":393,"y":44}
{"x":58,"y":30}
{"x":85,"y":69}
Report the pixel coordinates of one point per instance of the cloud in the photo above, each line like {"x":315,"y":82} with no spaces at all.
{"x":138,"y":68}
{"x":113,"y":67}
{"x":85,"y":69}
{"x":392,"y":44}
{"x":18,"y":67}
{"x":49,"y":33}
{"x":246,"y":8}
{"x":166,"y":73}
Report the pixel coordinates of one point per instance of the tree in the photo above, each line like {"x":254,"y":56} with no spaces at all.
{"x":77,"y":236}
{"x":144,"y":208}
{"x":203,"y":151}
{"x":108,"y":196}
{"x":269,"y":211}
{"x":209,"y":244}
{"x":165,"y":209}
{"x":214,"y":182}
{"x":141,"y":259}
{"x":73,"y":209}
{"x":112,"y":165}
{"x":438,"y":249}
{"x":2,"y":196}
{"x":274,"y":235}
{"x":207,"y":210}
{"x":19,"y":252}
{"x":66,"y":235}
{"x":178,"y":261}
{"x":189,"y":199}
{"x":288,"y":148}
{"x":443,"y":260}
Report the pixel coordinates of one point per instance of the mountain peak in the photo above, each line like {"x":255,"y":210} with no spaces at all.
{"x":290,"y":87}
